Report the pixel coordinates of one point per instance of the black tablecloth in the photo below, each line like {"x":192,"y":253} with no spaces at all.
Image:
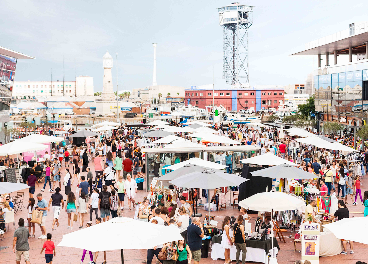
{"x":266,"y":245}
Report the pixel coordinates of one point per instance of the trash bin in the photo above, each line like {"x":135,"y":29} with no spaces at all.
{"x":205,"y":246}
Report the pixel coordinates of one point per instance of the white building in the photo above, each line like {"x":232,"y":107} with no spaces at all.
{"x":152,"y":92}
{"x":293,"y":100}
{"x":82,"y":86}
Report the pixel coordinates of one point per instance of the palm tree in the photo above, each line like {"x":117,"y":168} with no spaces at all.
{"x":168,"y":94}
{"x":128,"y":94}
{"x":159,"y":97}
{"x":97,"y":94}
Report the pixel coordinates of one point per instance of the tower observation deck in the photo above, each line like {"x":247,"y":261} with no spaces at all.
{"x":235,"y":20}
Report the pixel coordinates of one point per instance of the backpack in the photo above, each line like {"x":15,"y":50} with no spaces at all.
{"x":105,"y":202}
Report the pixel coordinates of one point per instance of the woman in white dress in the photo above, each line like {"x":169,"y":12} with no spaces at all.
{"x":130,"y":190}
{"x":226,"y":238}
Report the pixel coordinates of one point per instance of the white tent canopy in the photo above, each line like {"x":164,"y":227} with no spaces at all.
{"x":106,"y":123}
{"x":267,"y":159}
{"x":9,"y":187}
{"x":105,"y":128}
{"x":299,"y":132}
{"x":199,"y":162}
{"x":158,"y":122}
{"x":183,"y":143}
{"x":215,"y":138}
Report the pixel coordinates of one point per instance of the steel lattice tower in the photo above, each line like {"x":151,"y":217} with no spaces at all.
{"x":236,"y":19}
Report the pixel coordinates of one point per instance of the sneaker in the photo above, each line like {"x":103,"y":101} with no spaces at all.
{"x":44,"y":237}
{"x":41,"y":237}
{"x":51,"y":190}
{"x":343,"y":253}
{"x":351,"y":252}
{"x":42,"y":190}
{"x":354,"y":203}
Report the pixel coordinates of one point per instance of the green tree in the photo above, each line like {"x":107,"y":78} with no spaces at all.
{"x":97,"y":94}
{"x":307,"y":109}
{"x":168,"y":94}
{"x":363,"y":133}
{"x":128,"y":94}
{"x":332,"y":127}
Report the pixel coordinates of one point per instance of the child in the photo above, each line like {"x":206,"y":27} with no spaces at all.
{"x":99,"y":182}
{"x":50,"y":250}
{"x":365,"y":203}
{"x":358,"y":190}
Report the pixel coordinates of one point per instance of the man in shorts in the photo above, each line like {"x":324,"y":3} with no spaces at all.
{"x":20,"y":242}
{"x":57,"y":203}
{"x":42,"y":206}
{"x":195,"y":234}
{"x":56,"y":172}
{"x":104,"y":203}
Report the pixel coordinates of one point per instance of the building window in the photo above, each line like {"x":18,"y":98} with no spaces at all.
{"x":201,"y":94}
{"x":264,"y":102}
{"x":41,"y":86}
{"x":251,"y":93}
{"x":275,"y":101}
{"x":192,"y":94}
{"x":252,"y":102}
{"x":196,"y":102}
{"x":221,"y":94}
{"x":209,"y":94}
{"x":274,"y":93}
{"x":215,"y":94}
{"x":227,"y":94}
{"x":245,"y":94}
{"x":246,"y":101}
{"x":280,"y":93}
{"x":263,"y":93}
{"x":240,"y":94}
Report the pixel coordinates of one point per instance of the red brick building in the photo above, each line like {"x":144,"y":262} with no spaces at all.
{"x":235,"y":100}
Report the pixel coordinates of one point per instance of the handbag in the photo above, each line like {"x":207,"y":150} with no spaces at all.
{"x":37,"y":217}
{"x":175,"y":256}
{"x":162,"y":255}
{"x":75,"y":218}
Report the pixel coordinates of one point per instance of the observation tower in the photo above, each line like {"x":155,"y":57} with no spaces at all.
{"x":235,"y":20}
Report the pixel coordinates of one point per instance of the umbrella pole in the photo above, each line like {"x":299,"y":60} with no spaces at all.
{"x":122,"y":256}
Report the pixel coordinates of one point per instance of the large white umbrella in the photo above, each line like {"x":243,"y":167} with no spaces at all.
{"x":37,"y":138}
{"x":189,"y":168}
{"x":208,"y":179}
{"x":158,"y":122}
{"x":121,"y":233}
{"x":215,"y":138}
{"x":183,"y":143}
{"x":166,"y":140}
{"x":19,"y":146}
{"x":9,"y":187}
{"x":299,"y":132}
{"x":106,"y":123}
{"x":353,"y":229}
{"x":205,"y":130}
{"x":284,"y":171}
{"x":199,"y":162}
{"x":276,"y":201}
{"x":105,"y":128}
{"x":267,"y":159}
{"x":313,"y":140}
{"x":337,"y":146}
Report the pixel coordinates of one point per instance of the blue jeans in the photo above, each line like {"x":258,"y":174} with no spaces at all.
{"x":151,"y":253}
{"x":328,"y":184}
{"x":47,"y":178}
{"x":229,"y":168}
{"x":343,"y":189}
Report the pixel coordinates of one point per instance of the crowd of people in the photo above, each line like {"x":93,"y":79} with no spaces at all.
{"x":111,"y":187}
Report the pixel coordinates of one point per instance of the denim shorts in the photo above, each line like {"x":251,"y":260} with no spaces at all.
{"x":49,"y":257}
{"x":57,"y":177}
{"x":121,"y":196}
{"x":32,"y":189}
{"x":349,"y":191}
{"x":104,"y":212}
{"x":71,"y":210}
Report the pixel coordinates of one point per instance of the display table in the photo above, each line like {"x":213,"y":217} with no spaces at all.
{"x":256,"y":250}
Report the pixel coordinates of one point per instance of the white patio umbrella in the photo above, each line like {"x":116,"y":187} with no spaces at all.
{"x":9,"y":187}
{"x":183,"y":143}
{"x":208,"y":179}
{"x":157,"y":133}
{"x":353,"y":229}
{"x":106,"y":123}
{"x":158,"y":122}
{"x":199,"y":162}
{"x":313,"y":140}
{"x":186,"y":169}
{"x":37,"y":138}
{"x":284,"y":171}
{"x":267,"y":159}
{"x":299,"y":132}
{"x":205,"y":130}
{"x":105,"y":128}
{"x":276,"y":201}
{"x":19,"y":146}
{"x":166,"y":140}
{"x":215,"y":138}
{"x":273,"y":201}
{"x":121,"y":233}
{"x":337,"y":146}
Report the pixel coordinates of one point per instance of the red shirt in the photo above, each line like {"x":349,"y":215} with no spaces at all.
{"x":282,"y":148}
{"x":49,"y":247}
{"x":357,"y":184}
{"x":127,"y":163}
{"x":66,"y":153}
{"x":324,"y":189}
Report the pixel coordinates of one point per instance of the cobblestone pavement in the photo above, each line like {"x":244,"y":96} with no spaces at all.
{"x":72,"y":256}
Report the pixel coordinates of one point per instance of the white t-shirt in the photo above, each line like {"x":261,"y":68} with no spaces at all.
{"x":184,"y":220}
{"x":46,"y":157}
{"x":94,"y":199}
{"x":109,"y":174}
{"x":160,"y":221}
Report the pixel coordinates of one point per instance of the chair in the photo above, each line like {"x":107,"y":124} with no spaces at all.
{"x":9,"y":218}
{"x":235,"y":198}
{"x":276,"y":228}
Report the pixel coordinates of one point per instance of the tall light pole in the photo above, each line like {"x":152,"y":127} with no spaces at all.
{"x":117,"y":90}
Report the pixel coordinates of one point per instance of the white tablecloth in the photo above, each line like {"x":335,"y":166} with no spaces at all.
{"x":253,"y":254}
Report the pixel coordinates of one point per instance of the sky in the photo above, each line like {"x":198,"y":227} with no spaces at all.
{"x":77,"y":33}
